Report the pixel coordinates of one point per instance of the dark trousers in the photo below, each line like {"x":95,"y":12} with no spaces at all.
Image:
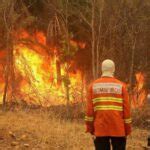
{"x":105,"y":143}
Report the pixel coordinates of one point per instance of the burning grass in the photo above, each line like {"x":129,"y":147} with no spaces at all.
{"x":38,"y":129}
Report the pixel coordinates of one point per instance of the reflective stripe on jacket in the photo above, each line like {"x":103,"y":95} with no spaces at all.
{"x":108,"y":108}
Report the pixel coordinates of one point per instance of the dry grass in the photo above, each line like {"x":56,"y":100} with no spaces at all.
{"x":141,"y":117}
{"x":38,"y":130}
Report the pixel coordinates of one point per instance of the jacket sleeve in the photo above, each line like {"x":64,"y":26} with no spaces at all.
{"x":126,"y":111}
{"x":89,"y":118}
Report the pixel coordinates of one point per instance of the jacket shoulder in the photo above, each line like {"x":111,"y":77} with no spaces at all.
{"x":95,"y":81}
{"x":120,"y":82}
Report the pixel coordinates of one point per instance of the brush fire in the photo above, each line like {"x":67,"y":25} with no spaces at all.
{"x":36,"y":73}
{"x":78,"y":68}
{"x":39,"y":80}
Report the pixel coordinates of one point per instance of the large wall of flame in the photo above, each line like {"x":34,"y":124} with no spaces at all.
{"x":36,"y":73}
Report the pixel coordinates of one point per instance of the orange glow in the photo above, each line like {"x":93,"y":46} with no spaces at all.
{"x":82,"y":45}
{"x":40,"y":37}
{"x":2,"y":54}
{"x":78,"y":44}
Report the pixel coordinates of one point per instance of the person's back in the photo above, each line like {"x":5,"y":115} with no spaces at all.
{"x":108,"y":110}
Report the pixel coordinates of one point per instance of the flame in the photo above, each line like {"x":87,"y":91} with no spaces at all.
{"x":36,"y":73}
{"x":2,"y":59}
{"x":139,"y":93}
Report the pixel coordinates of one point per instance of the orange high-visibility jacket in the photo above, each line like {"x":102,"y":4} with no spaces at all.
{"x":108,"y":108}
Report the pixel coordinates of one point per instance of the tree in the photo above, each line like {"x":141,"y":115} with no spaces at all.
{"x":10,"y":16}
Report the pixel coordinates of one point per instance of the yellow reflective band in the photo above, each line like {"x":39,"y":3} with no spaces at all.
{"x":128,"y":120}
{"x":108,"y":107}
{"x":88,"y":118}
{"x":107,"y":99}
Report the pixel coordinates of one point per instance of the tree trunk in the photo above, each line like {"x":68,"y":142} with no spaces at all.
{"x":99,"y":40}
{"x":12,"y":73}
{"x":6,"y":82}
{"x":68,"y":49}
{"x":93,"y":40}
{"x":9,"y":26}
{"x":8,"y":68}
{"x":132,"y":64}
{"x":82,"y":88}
{"x":58,"y":68}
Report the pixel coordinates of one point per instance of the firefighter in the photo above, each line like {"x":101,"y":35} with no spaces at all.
{"x":108,"y":110}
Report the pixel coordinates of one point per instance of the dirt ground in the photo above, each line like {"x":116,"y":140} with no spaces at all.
{"x":21,"y":130}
